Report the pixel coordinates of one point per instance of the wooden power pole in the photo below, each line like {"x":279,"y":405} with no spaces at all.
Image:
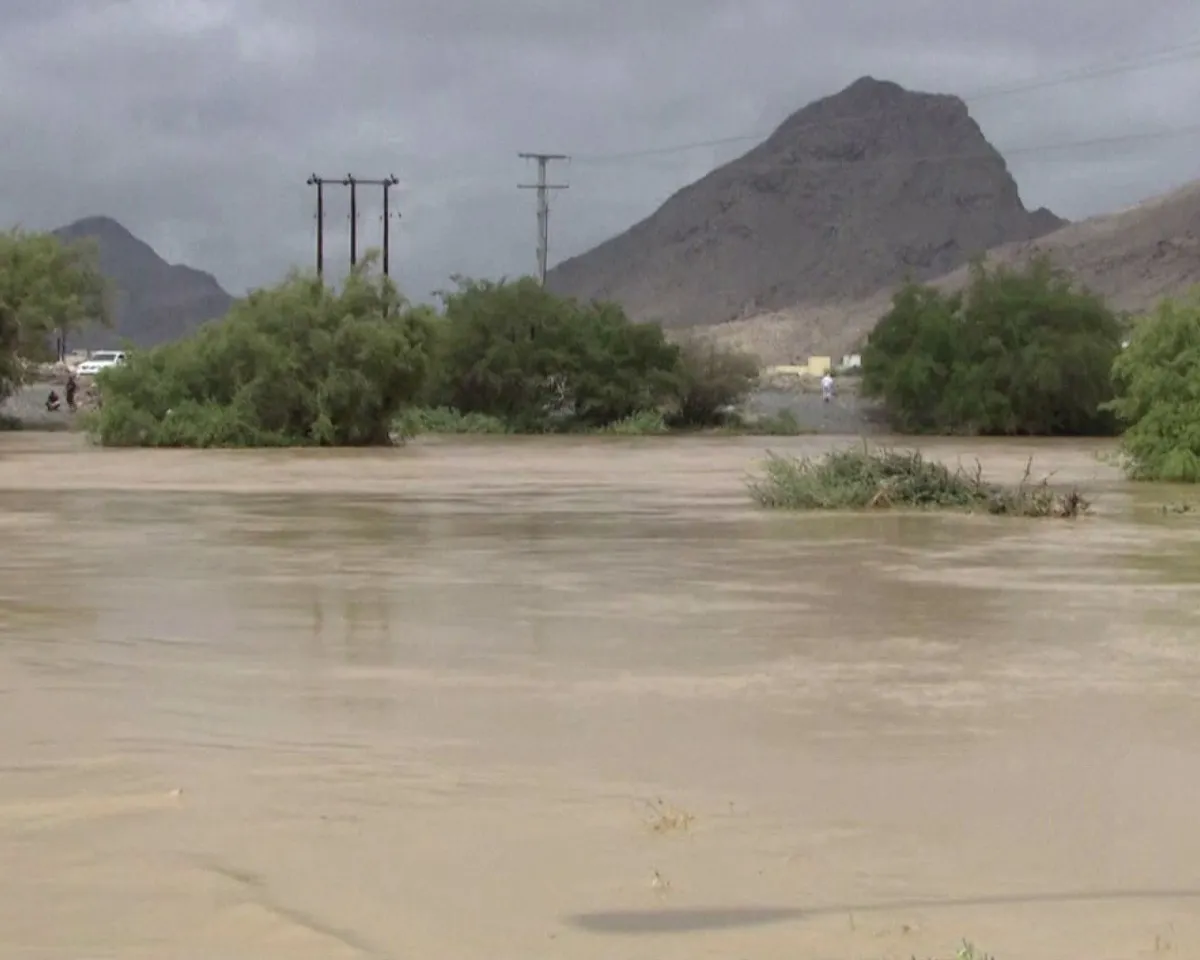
{"x":353,"y":183}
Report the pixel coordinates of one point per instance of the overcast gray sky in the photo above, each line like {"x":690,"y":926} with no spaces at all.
{"x":196,"y":122}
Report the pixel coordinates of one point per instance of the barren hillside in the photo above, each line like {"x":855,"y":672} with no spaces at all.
{"x":1133,"y":258}
{"x":849,"y":195}
{"x":155,"y":301}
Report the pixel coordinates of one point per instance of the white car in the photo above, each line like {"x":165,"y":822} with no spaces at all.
{"x":100,"y":360}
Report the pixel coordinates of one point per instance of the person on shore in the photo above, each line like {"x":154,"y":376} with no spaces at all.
{"x":72,"y":386}
{"x":827,"y":387}
{"x":52,"y":402}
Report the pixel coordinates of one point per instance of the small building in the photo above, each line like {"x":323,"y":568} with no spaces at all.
{"x":819,"y":366}
{"x":851,"y":361}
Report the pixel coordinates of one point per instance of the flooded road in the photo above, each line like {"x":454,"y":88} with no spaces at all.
{"x":580,"y":699}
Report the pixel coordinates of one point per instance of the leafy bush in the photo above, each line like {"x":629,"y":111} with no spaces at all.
{"x":1157,"y":380}
{"x":538,"y":362}
{"x":293,"y":365}
{"x":445,"y":420}
{"x":859,"y":478}
{"x":299,"y":364}
{"x":1017,"y":352}
{"x":47,"y":287}
{"x":647,"y":423}
{"x":710,"y":380}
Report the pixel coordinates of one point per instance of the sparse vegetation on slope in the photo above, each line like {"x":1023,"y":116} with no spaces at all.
{"x":1158,"y":394}
{"x":859,"y":478}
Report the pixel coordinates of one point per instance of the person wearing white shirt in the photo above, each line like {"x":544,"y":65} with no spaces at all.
{"x":827,"y":387}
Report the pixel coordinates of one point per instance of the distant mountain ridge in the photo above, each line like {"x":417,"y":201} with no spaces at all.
{"x":849,"y":195}
{"x":1132,"y":257}
{"x":155,"y":301}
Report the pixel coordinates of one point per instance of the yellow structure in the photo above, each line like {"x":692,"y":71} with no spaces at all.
{"x":815,"y":367}
{"x":788,"y":370}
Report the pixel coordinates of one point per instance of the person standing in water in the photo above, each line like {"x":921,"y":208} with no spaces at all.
{"x":827,"y":387}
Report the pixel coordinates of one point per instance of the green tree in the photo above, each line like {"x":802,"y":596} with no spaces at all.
{"x":1016,"y":352}
{"x":514,"y":351}
{"x":47,"y":288}
{"x":297,"y":364}
{"x":710,"y":379}
{"x":1157,"y":379}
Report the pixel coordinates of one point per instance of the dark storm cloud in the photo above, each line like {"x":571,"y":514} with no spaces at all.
{"x":196,"y":122}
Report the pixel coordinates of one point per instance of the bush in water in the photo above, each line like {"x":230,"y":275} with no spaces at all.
{"x":1157,"y":380}
{"x":859,"y":478}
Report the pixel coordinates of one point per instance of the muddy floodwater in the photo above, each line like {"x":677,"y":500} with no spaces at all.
{"x":582,"y":700}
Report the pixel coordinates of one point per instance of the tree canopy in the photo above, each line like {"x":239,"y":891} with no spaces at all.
{"x":298,"y":364}
{"x":302,"y":364}
{"x":1016,"y":352}
{"x":515,"y":351}
{"x":1157,"y":379}
{"x":47,"y":288}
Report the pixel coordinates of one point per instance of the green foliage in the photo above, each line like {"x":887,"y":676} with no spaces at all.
{"x":514,"y":351}
{"x":46,"y":287}
{"x":294,"y":365}
{"x":646,"y":423}
{"x":859,"y":479}
{"x":415,"y":421}
{"x":710,"y":380}
{"x":1157,"y":380}
{"x":299,"y":364}
{"x":1017,"y":352}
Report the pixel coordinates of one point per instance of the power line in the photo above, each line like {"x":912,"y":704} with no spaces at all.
{"x":543,"y":189}
{"x":1177,"y":53}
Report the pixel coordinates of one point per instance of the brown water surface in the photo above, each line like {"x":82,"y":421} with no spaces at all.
{"x":581,"y":700}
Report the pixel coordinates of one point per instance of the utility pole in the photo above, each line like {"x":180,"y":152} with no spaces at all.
{"x":543,"y":204}
{"x":386,"y":183}
{"x":352,"y":183}
{"x":319,"y":183}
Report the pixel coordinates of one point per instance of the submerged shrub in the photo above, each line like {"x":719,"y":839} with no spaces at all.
{"x":861,"y":479}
